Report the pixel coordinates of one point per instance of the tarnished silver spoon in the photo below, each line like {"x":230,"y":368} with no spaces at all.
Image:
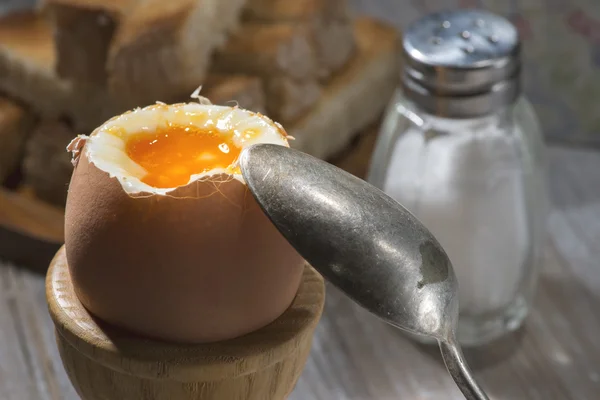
{"x":364,"y":243}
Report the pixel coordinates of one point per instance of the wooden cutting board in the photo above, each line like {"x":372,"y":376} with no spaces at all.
{"x":30,"y":230}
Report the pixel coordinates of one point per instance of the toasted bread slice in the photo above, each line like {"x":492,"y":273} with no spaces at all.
{"x":27,"y":73}
{"x":229,"y":12}
{"x":245,"y":91}
{"x":329,"y":23}
{"x":15,"y":124}
{"x":83,"y":33}
{"x":286,"y":10}
{"x":47,"y":166}
{"x":355,"y":97}
{"x":27,"y":61}
{"x":268,"y":50}
{"x":283,"y":55}
{"x":161,"y":49}
{"x":335,"y":46}
{"x":142,"y":50}
{"x":288,"y":99}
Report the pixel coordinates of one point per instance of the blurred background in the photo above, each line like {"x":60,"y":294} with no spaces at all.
{"x":562,"y":53}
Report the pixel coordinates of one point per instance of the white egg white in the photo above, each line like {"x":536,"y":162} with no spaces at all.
{"x":106,"y":146}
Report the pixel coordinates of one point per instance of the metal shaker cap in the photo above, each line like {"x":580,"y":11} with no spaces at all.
{"x":462,"y":64}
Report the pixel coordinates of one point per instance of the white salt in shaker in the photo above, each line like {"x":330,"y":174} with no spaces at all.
{"x":461,"y":149}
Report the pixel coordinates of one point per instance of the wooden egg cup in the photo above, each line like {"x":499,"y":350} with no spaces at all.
{"x":104,"y":363}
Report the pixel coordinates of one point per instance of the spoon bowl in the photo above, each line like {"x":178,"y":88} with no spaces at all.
{"x":364,"y":243}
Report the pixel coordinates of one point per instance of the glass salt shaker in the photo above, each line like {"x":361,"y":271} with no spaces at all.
{"x":461,"y":148}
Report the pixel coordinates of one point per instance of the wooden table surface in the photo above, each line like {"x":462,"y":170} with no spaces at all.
{"x":355,"y":356}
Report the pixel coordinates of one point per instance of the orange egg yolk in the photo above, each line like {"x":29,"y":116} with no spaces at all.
{"x":172,"y":155}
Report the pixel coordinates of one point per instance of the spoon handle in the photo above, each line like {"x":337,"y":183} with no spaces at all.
{"x":459,"y":370}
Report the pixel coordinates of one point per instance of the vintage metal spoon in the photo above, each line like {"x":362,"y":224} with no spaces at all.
{"x":364,"y":243}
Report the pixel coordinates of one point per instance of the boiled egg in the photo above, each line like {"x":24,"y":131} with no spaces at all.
{"x":163,"y":237}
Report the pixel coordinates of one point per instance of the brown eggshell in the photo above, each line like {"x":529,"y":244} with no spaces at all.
{"x":199,"y":265}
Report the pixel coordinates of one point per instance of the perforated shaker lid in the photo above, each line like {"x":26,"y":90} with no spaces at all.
{"x":462,"y":63}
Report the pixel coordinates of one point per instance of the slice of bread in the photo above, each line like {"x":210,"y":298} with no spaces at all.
{"x":47,"y":166}
{"x":288,"y":99}
{"x":355,"y":97}
{"x":284,"y":56}
{"x":335,"y":45}
{"x":286,"y":10}
{"x":83,"y":32}
{"x":142,"y":50}
{"x":161,"y":49}
{"x":27,"y":60}
{"x":268,"y":50}
{"x":229,"y":12}
{"x":329,"y":23}
{"x":245,"y":91}
{"x":15,"y":124}
{"x":27,"y":73}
